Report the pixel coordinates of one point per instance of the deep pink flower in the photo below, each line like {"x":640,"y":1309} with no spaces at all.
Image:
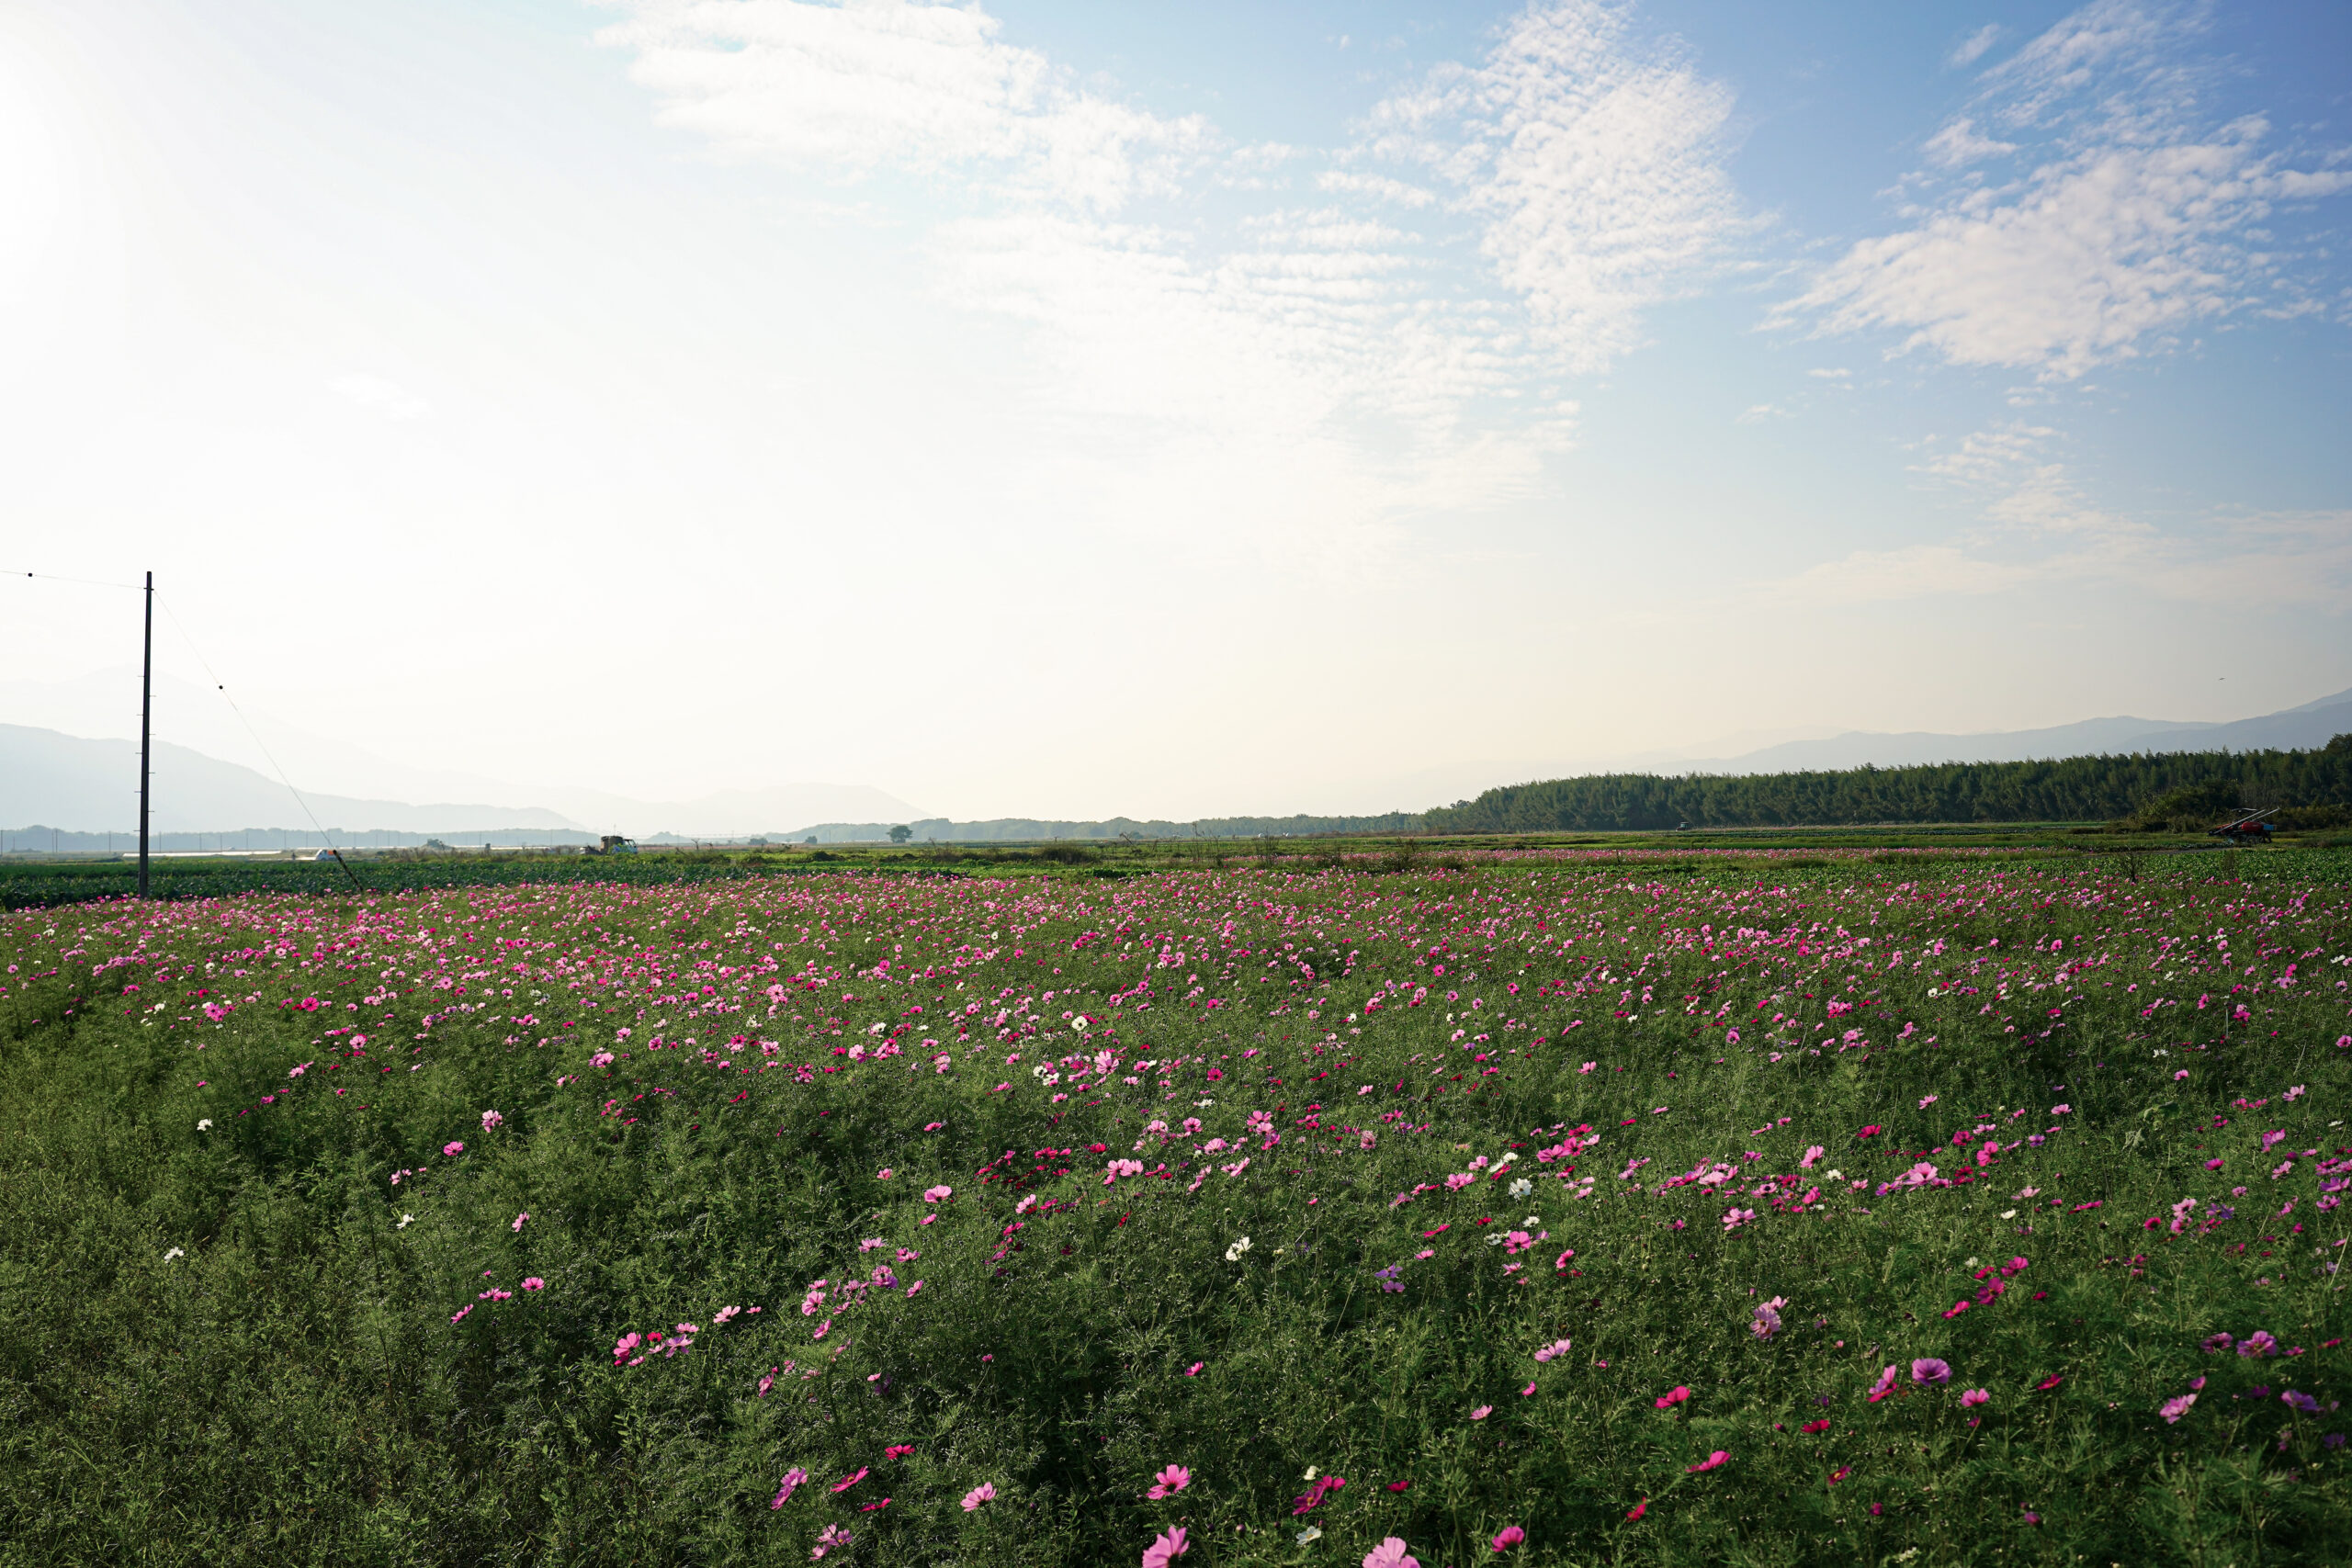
{"x":1169,"y":1482}
{"x":1673,"y":1396}
{"x":1929,"y":1372}
{"x":846,"y":1482}
{"x":1975,"y":1396}
{"x":1508,"y":1537}
{"x":1165,"y":1548}
{"x":1713,"y":1460}
{"x":933,"y":1194}
{"x":535,"y":1283}
{"x":791,"y":1484}
{"x":453,"y":1149}
{"x":985,"y":1492}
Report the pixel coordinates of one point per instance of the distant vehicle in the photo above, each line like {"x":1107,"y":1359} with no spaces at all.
{"x":614,"y":844}
{"x":328,"y":854}
{"x":2247,"y":827}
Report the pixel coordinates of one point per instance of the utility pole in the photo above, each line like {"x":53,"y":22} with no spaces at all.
{"x":146,"y":713}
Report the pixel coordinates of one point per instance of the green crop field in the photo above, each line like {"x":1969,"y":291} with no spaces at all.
{"x":1827,"y":1199}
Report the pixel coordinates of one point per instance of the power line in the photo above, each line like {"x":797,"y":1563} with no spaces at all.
{"x":85,"y":582}
{"x":217,"y":685}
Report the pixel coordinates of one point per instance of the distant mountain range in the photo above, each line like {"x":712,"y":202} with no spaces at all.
{"x":68,"y":783}
{"x":2295,"y":729}
{"x":71,"y":783}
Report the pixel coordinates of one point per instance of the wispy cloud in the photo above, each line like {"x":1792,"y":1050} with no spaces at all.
{"x":1584,"y":165}
{"x":1595,"y":162}
{"x":2137,"y":218}
{"x":2039,"y":527}
{"x":1970,"y":50}
{"x":845,"y":89}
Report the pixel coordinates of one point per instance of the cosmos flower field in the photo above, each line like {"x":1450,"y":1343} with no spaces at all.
{"x":1541,"y":1211}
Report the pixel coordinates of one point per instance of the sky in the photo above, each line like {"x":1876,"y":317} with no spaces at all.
{"x":1069,"y":409}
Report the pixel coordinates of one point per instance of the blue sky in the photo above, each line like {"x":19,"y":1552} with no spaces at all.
{"x":1081,"y":408}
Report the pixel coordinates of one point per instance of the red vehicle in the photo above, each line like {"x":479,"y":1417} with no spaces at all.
{"x":2247,"y":829}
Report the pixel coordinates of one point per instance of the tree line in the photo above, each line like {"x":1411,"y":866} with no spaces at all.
{"x":2147,"y":790}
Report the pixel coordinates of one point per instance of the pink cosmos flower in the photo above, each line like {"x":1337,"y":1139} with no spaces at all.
{"x":832,"y":1539}
{"x":933,"y":1194}
{"x":984,"y":1493}
{"x":535,"y":1283}
{"x":792,"y":1480}
{"x":1169,"y":1482}
{"x":1713,"y":1461}
{"x":1194,"y":1369}
{"x":1482,"y":1413}
{"x":884,"y":1174}
{"x":519,"y":1219}
{"x":2172,"y":1410}
{"x":1929,"y":1372}
{"x":1508,"y":1537}
{"x":1391,"y":1553}
{"x":1165,"y":1548}
{"x":1975,"y":1396}
{"x":846,"y":1482}
{"x":489,"y":1121}
{"x":1884,"y":1386}
{"x":1557,"y":1347}
{"x":1811,"y":1156}
{"x":1672,"y":1397}
{"x":453,"y":1149}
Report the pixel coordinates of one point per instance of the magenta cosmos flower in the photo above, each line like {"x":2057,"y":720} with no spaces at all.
{"x":984,"y":1493}
{"x":1508,"y":1537}
{"x":1929,"y":1372}
{"x":1169,"y":1482}
{"x":1166,"y":1548}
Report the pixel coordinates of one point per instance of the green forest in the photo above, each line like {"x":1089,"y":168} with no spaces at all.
{"x":2178,"y":790}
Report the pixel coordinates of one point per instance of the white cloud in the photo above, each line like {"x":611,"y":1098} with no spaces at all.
{"x":378,"y":395}
{"x":1917,"y":571}
{"x":1381,"y":186}
{"x":1321,"y":339}
{"x":2136,"y":222}
{"x":2039,"y":529}
{"x":844,"y":89}
{"x":1972,"y":49}
{"x":1758,"y":413}
{"x":1596,"y":166}
{"x":1826,"y":374}
{"x":1959,"y":144}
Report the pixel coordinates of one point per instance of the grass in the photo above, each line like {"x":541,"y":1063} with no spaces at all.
{"x":228,"y":1334}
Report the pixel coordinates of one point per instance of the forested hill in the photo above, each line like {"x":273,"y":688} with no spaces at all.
{"x":2073,"y":789}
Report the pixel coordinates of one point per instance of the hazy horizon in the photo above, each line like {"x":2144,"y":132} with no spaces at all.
{"x":1068,"y":412}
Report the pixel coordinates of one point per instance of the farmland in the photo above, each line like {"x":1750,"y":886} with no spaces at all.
{"x":1554,"y":1205}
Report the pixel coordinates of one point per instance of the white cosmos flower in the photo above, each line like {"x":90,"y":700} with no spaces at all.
{"x":1233,"y":1254}
{"x":405,"y":1220}
{"x":204,"y":1125}
{"x":175,"y":1252}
